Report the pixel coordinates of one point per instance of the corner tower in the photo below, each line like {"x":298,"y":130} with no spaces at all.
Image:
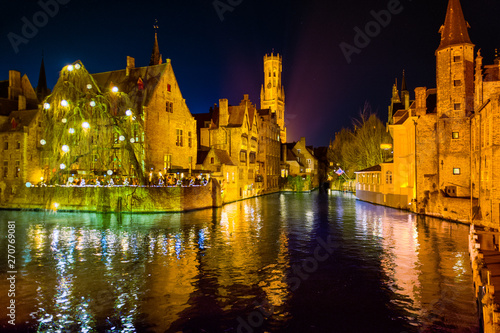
{"x":272,"y":95}
{"x":455,"y":102}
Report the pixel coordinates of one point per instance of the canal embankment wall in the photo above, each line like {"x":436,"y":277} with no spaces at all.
{"x":127,"y":199}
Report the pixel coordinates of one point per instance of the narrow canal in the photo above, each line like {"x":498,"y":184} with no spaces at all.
{"x":279,"y":263}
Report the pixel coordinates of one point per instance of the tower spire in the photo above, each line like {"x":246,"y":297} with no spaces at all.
{"x":454,"y":31}
{"x":155,"y":55}
{"x":41,"y":89}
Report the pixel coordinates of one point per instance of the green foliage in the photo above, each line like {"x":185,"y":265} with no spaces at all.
{"x":298,"y":184}
{"x":359,"y":148}
{"x":92,"y":125}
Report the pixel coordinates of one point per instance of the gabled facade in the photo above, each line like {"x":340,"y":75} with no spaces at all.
{"x":170,"y":140}
{"x":235,"y":130}
{"x":19,"y":134}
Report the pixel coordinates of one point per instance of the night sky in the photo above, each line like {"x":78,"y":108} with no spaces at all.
{"x":214,"y":58}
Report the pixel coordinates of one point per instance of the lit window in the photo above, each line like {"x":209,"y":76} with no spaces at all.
{"x":189,"y":140}
{"x":388,"y":177}
{"x":243,"y":156}
{"x":455,"y":135}
{"x":179,"y":138}
{"x":169,"y":88}
{"x":456,"y":171}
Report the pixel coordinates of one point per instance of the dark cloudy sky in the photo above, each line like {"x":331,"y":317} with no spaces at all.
{"x":215,"y":58}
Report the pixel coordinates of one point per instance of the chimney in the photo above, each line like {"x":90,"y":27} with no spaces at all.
{"x":14,"y":84}
{"x":130,"y":64}
{"x":21,"y":103}
{"x":420,"y":101}
{"x":223,"y":112}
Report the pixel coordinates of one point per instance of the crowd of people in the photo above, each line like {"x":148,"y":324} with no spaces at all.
{"x":158,"y":180}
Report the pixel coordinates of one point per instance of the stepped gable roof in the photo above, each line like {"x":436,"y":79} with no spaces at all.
{"x":149,"y":75}
{"x":454,"y":31}
{"x":21,"y":119}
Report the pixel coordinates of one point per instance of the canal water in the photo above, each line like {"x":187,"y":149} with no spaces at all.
{"x":279,"y":263}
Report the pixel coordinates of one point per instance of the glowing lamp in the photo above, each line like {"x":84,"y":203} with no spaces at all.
{"x":132,"y":140}
{"x":92,"y":103}
{"x":85,"y":125}
{"x":386,"y":146}
{"x":64,"y":103}
{"x":43,"y":142}
{"x":56,"y":205}
{"x":134,"y":118}
{"x":128,"y":113}
{"x":78,"y":66}
{"x":65,"y":148}
{"x":46,"y":106}
{"x":71,"y":179}
{"x":89,"y":86}
{"x":70,"y":68}
{"x":121,"y":138}
{"x":110,"y":172}
{"x":41,"y":178}
{"x":114,"y":89}
{"x":62,"y":166}
{"x":64,"y":120}
{"x":71,"y":131}
{"x":28,"y":184}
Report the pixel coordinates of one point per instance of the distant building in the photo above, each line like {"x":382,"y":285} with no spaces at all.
{"x":19,"y":134}
{"x":272,"y":95}
{"x":232,"y":138}
{"x":299,"y":160}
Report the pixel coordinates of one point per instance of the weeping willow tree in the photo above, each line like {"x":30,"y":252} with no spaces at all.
{"x":89,"y":130}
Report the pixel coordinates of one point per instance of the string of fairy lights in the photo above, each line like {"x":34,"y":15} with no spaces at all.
{"x":88,"y":129}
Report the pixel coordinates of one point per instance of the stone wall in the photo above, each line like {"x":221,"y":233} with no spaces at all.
{"x":115,"y":199}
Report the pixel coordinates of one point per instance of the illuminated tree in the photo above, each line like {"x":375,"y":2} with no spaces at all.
{"x":90,"y":129}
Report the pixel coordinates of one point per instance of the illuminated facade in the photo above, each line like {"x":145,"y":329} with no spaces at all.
{"x":272,"y":95}
{"x":19,"y":132}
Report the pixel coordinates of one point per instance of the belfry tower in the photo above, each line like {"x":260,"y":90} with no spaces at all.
{"x":272,"y":95}
{"x":455,"y":102}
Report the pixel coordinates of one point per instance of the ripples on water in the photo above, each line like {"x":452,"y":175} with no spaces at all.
{"x":254,"y":266}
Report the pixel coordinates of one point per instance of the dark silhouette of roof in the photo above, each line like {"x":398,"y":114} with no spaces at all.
{"x":155,"y":54}
{"x":41,"y":89}
{"x":454,"y":31}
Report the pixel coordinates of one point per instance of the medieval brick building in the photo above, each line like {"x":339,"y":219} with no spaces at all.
{"x":445,"y":142}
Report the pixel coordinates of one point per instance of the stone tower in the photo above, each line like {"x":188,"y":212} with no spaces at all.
{"x":272,"y":95}
{"x":455,"y":102}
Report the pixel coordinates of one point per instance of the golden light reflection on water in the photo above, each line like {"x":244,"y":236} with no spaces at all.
{"x":155,"y":272}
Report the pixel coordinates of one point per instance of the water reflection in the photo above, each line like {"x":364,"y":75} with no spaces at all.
{"x":231,"y":268}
